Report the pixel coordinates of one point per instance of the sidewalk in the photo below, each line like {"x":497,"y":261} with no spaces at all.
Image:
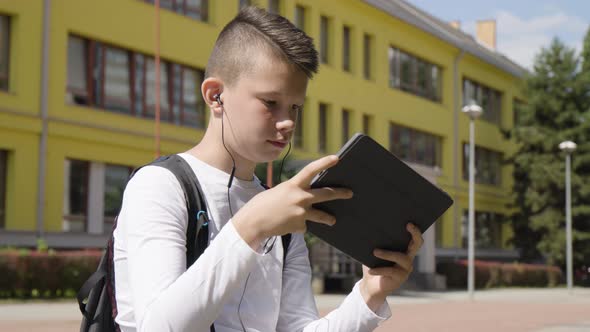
{"x":506,"y":310}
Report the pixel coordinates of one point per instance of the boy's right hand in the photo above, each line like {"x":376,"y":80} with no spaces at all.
{"x":285,"y":208}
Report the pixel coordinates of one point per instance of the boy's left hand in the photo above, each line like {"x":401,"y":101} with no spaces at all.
{"x":380,"y":282}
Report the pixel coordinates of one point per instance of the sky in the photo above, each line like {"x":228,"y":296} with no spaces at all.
{"x":523,"y":26}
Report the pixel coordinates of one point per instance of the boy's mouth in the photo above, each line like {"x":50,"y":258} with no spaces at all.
{"x":278,"y":144}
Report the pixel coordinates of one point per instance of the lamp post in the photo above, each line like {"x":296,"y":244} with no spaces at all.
{"x":474,"y":111}
{"x":568,"y":147}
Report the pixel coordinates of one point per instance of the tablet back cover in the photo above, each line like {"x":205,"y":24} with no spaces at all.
{"x":387,"y":195}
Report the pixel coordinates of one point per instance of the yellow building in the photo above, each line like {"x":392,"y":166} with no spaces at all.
{"x":77,"y":82}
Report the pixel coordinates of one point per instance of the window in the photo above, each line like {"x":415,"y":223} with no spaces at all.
{"x":150,"y":86}
{"x":78,"y":83}
{"x":76,"y":181}
{"x":3,"y":178}
{"x":367,"y":124}
{"x":323,"y":128}
{"x":367,"y":54}
{"x":93,"y":193}
{"x":300,"y":17}
{"x":488,"y":165}
{"x":345,"y":126}
{"x":517,"y":110}
{"x":115,"y":181}
{"x":394,"y":70}
{"x":298,"y":138}
{"x":189,"y":106}
{"x":274,"y":6}
{"x":122,"y":81}
{"x":414,"y":75}
{"x":244,"y":3}
{"x":415,"y":146}
{"x":346,"y":49}
{"x":117,"y":92}
{"x":488,"y":229}
{"x":324,"y":42}
{"x":489,"y":99}
{"x":4,"y":51}
{"x":195,"y":9}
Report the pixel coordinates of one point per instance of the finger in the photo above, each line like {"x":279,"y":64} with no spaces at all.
{"x":329,"y":194}
{"x":321,"y":217}
{"x":389,"y":271}
{"x":417,"y":240}
{"x":401,"y":259}
{"x":304,"y":177}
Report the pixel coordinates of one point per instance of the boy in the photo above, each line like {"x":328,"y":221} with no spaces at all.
{"x":255,"y":85}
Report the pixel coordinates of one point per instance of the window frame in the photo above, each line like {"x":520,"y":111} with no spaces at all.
{"x":75,"y":217}
{"x":404,"y":74}
{"x":346,"y":118}
{"x":367,"y":55}
{"x":323,"y":110}
{"x":367,"y":124}
{"x":476,"y":91}
{"x":347,"y":33}
{"x":324,"y":40}
{"x":298,"y":135}
{"x":4,"y":155}
{"x":299,"y":18}
{"x":6,"y":21}
{"x":404,"y":143}
{"x":485,"y":156}
{"x":181,"y":7}
{"x":107,"y":219}
{"x":137,"y":63}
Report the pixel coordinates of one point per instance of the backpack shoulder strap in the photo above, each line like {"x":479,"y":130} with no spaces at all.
{"x":286,"y":242}
{"x":197,"y":234}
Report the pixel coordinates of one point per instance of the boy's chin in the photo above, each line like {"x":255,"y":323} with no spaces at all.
{"x":269,"y":157}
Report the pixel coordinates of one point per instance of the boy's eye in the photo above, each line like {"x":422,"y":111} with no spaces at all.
{"x":269,"y":103}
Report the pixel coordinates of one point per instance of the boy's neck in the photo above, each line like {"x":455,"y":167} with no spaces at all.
{"x":212,"y":152}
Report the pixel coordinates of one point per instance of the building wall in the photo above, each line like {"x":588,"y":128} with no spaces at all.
{"x":86,"y":133}
{"x":19,"y":108}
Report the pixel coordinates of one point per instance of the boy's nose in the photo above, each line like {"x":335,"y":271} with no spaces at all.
{"x":285,"y":125}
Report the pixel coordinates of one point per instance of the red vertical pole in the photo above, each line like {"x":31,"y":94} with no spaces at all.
{"x":157,"y":61}
{"x":269,"y":174}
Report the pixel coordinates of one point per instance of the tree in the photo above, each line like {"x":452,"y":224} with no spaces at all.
{"x":556,"y":110}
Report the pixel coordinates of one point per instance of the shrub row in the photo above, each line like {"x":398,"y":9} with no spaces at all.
{"x":32,"y":274}
{"x":495,"y":274}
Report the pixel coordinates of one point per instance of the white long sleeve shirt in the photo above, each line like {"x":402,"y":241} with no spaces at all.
{"x":230,"y":284}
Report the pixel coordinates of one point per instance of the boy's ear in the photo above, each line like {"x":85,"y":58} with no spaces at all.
{"x":210,"y":88}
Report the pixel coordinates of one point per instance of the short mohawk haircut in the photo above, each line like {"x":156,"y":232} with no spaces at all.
{"x":253,"y":30}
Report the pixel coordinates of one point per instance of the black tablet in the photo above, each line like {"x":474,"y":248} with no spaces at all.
{"x":387,"y":195}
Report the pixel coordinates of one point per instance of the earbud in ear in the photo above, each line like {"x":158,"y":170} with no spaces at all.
{"x":217,"y":97}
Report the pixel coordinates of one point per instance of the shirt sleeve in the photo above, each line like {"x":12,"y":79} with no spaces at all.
{"x":298,"y":308}
{"x":167,"y":296}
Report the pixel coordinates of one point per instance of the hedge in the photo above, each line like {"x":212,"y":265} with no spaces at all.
{"x":496,"y":274}
{"x":33,"y":274}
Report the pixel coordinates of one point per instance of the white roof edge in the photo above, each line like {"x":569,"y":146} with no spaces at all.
{"x":442,"y":30}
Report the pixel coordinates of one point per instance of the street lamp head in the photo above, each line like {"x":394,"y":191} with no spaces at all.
{"x":472,"y":109}
{"x":568,"y":146}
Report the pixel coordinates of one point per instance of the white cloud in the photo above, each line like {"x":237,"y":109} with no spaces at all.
{"x":520,"y":39}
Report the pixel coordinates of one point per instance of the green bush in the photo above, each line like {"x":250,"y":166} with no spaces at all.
{"x":37,"y":274}
{"x":496,"y":274}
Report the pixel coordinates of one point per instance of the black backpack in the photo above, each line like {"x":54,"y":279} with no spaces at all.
{"x":96,"y":297}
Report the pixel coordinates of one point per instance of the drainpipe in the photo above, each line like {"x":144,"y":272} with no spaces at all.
{"x":456,"y":108}
{"x":44,"y":109}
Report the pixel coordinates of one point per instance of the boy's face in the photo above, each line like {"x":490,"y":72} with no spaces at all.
{"x":262,"y":109}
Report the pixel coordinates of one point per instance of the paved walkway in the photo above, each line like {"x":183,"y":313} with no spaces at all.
{"x":506,"y":310}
